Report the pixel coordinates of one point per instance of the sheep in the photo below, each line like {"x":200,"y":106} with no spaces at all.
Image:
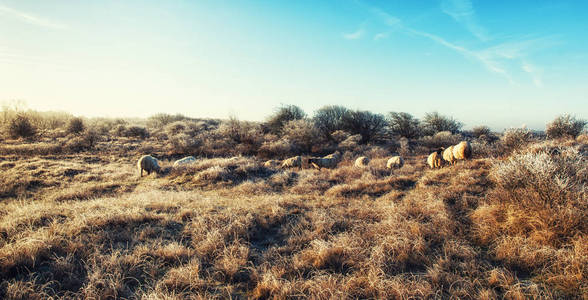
{"x":272,"y":163}
{"x":435,"y":159}
{"x":362,"y":161}
{"x":323,"y":162}
{"x":462,"y":151}
{"x":395,"y":162}
{"x":336,"y":155}
{"x":448,"y":155}
{"x":149,"y":164}
{"x":330,"y":161}
{"x":292,"y":162}
{"x":184,"y":161}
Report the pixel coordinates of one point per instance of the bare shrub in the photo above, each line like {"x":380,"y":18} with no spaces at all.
{"x":370,"y":126}
{"x":282,"y":116}
{"x":276,"y":148}
{"x":404,"y":125}
{"x":434,"y":122}
{"x":480,"y":131}
{"x":75,"y":126}
{"x":351,"y":143}
{"x":440,"y":139}
{"x":565,"y":126}
{"x":182,"y":143}
{"x":329,"y":119}
{"x":162,"y":119}
{"x":339,"y":136}
{"x":303,"y":135}
{"x":242,"y":137}
{"x":130,"y":131}
{"x":176,"y":127}
{"x":83,"y":142}
{"x":20,"y":127}
{"x":543,"y":179}
{"x":516,"y":138}
{"x":535,"y":216}
{"x":137,"y":131}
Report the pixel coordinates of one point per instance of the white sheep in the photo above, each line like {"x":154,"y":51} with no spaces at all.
{"x":272,"y":163}
{"x":149,"y":164}
{"x":448,"y":155}
{"x":462,"y":151}
{"x":395,"y":162}
{"x":362,"y":161}
{"x":292,"y":162}
{"x":184,"y":161}
{"x":435,"y":159}
{"x":330,"y":161}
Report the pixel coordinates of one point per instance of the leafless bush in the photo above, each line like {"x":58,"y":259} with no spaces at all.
{"x":404,"y":125}
{"x":434,"y":122}
{"x":516,"y":138}
{"x":371,"y":127}
{"x":545,"y":178}
{"x":243,"y":137}
{"x":130,"y":131}
{"x":282,"y":116}
{"x":76,"y":126}
{"x":440,"y":139}
{"x":162,"y":119}
{"x":565,"y":126}
{"x":351,"y":143}
{"x":20,"y":127}
{"x":329,"y":119}
{"x":303,"y":135}
{"x":86,"y":141}
{"x":276,"y":148}
{"x":182,"y":143}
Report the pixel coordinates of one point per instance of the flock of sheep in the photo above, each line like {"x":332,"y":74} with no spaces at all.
{"x":451,"y":155}
{"x":437,"y":159}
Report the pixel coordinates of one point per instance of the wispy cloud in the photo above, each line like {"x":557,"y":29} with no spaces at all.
{"x":354,"y":35}
{"x":463,"y":12}
{"x":381,"y":36}
{"x":535,"y":72}
{"x":485,"y":58}
{"x":388,"y":19}
{"x":503,"y":59}
{"x":30,"y":18}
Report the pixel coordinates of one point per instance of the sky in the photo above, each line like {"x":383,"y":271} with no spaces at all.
{"x":497,"y":63}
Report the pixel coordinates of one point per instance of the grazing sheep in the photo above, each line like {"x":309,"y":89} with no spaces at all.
{"x":462,"y":151}
{"x":435,"y":160}
{"x":272,"y":163}
{"x":323,"y":162}
{"x":292,"y":162}
{"x":362,"y":161}
{"x":336,"y":155}
{"x":184,"y":161}
{"x":149,"y":164}
{"x":330,"y":161}
{"x":448,"y":155}
{"x":395,"y":162}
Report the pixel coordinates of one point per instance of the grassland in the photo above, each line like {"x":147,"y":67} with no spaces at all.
{"x":81,"y":223}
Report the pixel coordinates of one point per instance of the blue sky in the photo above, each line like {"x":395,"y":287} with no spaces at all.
{"x":498,"y":63}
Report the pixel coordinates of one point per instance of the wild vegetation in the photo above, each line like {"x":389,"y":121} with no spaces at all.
{"x":77,"y":221}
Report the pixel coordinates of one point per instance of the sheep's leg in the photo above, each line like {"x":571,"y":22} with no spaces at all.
{"x":141,"y":172}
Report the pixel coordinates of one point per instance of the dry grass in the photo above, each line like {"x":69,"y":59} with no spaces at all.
{"x":86,"y":226}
